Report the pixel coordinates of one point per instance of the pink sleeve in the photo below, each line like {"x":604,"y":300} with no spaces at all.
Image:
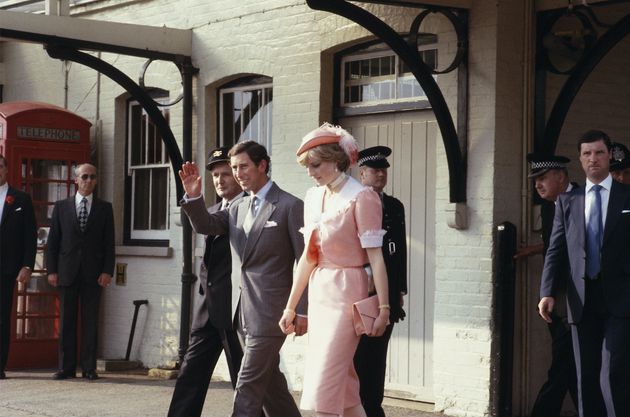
{"x":369,"y":215}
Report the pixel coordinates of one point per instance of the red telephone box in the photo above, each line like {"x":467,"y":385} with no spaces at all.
{"x":42,"y":144}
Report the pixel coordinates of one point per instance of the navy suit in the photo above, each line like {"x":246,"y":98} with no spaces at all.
{"x":212,"y":330}
{"x":79,"y":258}
{"x":18,"y":245}
{"x":598,"y":309}
{"x":370,"y":359}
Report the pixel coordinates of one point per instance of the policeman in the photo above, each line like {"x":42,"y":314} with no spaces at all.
{"x":620,"y":163}
{"x":371,"y":355}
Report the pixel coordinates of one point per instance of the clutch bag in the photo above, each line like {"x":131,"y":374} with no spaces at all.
{"x":364,"y":313}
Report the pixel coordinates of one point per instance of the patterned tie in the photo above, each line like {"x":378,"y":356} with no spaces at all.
{"x":83,"y":214}
{"x":594,"y":235}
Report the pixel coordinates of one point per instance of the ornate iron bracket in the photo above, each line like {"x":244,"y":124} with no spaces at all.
{"x":406,"y":48}
{"x":547,"y":136}
{"x":137,"y":92}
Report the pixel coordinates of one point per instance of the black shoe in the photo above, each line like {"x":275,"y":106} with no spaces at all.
{"x":91,"y":375}
{"x":3,"y":375}
{"x":64,"y":375}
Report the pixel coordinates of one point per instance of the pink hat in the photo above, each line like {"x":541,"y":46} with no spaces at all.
{"x":328,"y":133}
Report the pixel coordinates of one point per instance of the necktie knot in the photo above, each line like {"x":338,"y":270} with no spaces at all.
{"x":596,"y":188}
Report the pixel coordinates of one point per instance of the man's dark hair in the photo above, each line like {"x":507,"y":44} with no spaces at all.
{"x":593,"y":136}
{"x":254,"y":150}
{"x":3,"y":159}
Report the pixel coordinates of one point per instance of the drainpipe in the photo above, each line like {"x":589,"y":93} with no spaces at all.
{"x":188,"y":278}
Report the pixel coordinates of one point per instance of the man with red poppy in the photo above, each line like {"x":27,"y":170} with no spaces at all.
{"x":18,"y":245}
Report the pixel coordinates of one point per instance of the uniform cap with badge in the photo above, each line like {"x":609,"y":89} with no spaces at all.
{"x":374,"y":157}
{"x":541,"y":163}
{"x":218,"y":155}
{"x":620,"y":157}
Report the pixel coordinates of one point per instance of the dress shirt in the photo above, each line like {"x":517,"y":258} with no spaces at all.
{"x":4,"y":189}
{"x":261,"y":194}
{"x":605,"y":195}
{"x":77,"y":202}
{"x":227,"y":203}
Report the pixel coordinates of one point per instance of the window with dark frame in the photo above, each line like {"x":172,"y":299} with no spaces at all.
{"x":148,"y":180}
{"x":376,"y":76}
{"x":245,"y":110}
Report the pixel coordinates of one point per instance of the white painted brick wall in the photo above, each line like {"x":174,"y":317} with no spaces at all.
{"x":285,"y":40}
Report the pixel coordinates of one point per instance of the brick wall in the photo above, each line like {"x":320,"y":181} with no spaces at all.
{"x":294,"y":45}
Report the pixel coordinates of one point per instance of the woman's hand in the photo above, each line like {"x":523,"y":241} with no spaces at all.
{"x":380,"y":324}
{"x":286,"y":322}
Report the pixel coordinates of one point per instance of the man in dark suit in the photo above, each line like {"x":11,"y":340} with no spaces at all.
{"x":212,"y":329}
{"x":18,"y":245}
{"x":265,"y":240}
{"x":551,"y":179}
{"x":370,"y":359}
{"x":590,"y":230}
{"x":80,"y":262}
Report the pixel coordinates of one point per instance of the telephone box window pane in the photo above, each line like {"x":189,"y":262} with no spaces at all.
{"x":159,"y":199}
{"x":141,"y":199}
{"x":38,"y":328}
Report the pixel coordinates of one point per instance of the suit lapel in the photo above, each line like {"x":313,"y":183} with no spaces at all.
{"x":577,"y":214}
{"x":241,"y":212}
{"x":616,"y":202}
{"x":267,"y":207}
{"x":7,"y":207}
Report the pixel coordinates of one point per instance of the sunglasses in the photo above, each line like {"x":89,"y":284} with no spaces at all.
{"x":85,"y":177}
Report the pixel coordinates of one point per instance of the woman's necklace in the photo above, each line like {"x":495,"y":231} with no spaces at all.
{"x":336,"y":183}
{"x":332,"y":188}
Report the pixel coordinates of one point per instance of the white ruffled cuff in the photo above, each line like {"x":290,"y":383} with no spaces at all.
{"x":372,"y":238}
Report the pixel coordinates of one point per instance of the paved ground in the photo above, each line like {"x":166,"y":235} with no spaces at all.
{"x":35,"y":394}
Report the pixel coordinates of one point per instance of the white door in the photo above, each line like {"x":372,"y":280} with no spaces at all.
{"x":412,"y":137}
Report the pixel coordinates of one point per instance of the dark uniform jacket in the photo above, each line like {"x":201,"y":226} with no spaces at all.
{"x":395,"y":253}
{"x":215,"y":282}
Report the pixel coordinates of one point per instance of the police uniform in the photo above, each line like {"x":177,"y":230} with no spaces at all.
{"x":371,"y":356}
{"x":561,"y":376}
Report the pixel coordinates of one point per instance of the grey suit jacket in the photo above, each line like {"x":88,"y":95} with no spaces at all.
{"x":567,"y":242}
{"x":263,"y":261}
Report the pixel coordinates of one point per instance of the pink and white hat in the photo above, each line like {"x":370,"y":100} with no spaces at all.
{"x":328,"y":133}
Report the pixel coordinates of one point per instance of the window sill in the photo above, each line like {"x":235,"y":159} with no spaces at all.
{"x":152,"y":251}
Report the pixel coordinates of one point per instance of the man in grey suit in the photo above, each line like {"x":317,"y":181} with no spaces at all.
{"x":80,"y":262}
{"x":212,"y":329}
{"x":265,"y":242}
{"x":591,"y":229}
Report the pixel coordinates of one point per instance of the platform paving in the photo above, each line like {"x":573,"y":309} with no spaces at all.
{"x":129,"y":394}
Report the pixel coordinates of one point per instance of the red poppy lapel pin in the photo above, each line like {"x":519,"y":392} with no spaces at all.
{"x":9,"y":200}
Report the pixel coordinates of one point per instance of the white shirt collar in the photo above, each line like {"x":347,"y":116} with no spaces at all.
{"x":4,"y":188}
{"x":606,"y":184}
{"x":262,"y":193}
{"x":78,"y":197}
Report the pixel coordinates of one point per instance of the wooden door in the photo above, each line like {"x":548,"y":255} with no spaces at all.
{"x":412,"y":137}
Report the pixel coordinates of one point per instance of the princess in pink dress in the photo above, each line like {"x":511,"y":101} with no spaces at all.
{"x":342,"y":233}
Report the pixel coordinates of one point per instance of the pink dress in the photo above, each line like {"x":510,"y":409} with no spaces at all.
{"x":336,"y":239}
